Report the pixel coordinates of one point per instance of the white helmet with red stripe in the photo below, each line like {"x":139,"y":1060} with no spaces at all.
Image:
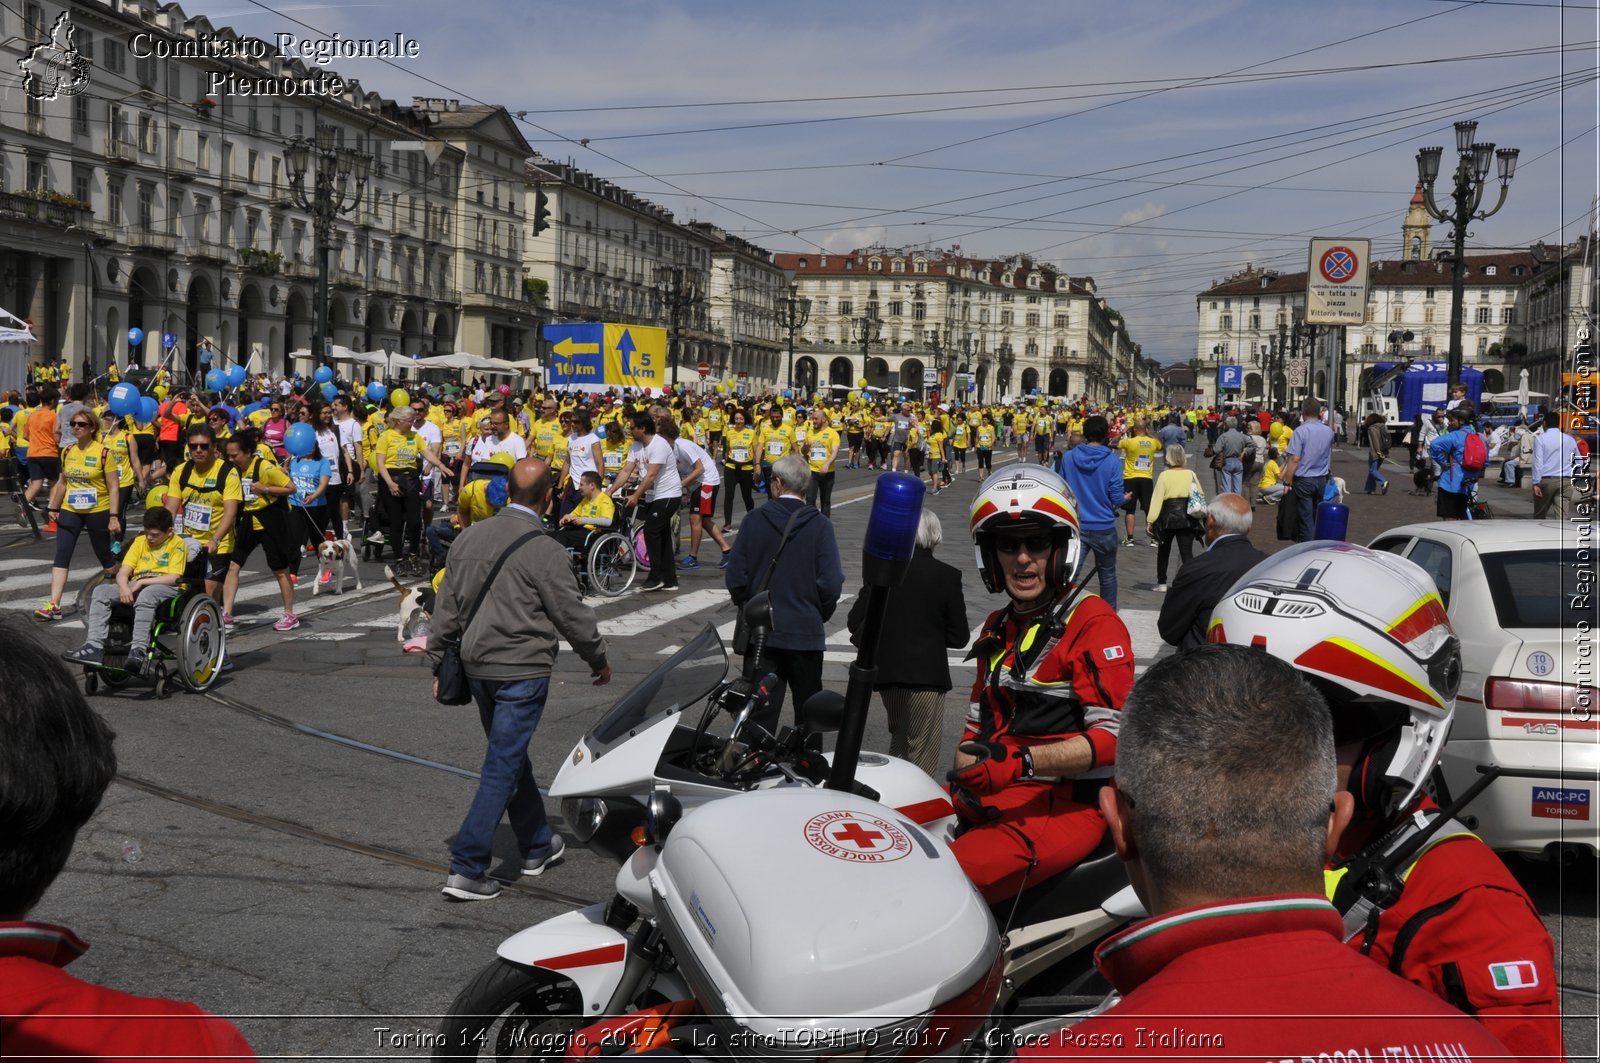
{"x":1027,"y":497}
{"x":1369,"y":630}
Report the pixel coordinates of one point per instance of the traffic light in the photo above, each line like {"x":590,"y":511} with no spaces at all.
{"x":541,"y":212}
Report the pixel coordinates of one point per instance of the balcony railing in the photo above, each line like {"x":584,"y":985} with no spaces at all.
{"x":47,"y":207}
{"x":344,"y":278}
{"x":118,"y":150}
{"x":257,"y":260}
{"x":150,"y":240}
{"x":499,"y":302}
{"x":205,"y":249}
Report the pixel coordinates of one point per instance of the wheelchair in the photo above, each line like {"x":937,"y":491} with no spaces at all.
{"x":606,"y":563}
{"x":186,"y":639}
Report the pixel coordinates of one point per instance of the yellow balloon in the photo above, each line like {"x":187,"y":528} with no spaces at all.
{"x":722,"y":389}
{"x":398,"y":398}
{"x":861,"y":383}
{"x":160,"y":391}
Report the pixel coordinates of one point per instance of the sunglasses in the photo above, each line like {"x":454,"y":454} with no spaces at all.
{"x":82,"y":424}
{"x":199,"y":446}
{"x":1035,"y":544}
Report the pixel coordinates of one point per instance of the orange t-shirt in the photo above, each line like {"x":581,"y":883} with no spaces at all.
{"x":44,"y":440}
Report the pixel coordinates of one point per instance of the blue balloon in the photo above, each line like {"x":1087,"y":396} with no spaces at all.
{"x":237,"y":376}
{"x":135,"y":336}
{"x":216,"y":380}
{"x":376,"y":392}
{"x":329,"y":391}
{"x":788,"y":393}
{"x":323,"y":374}
{"x":123,"y":399}
{"x":148,"y":409}
{"x":600,"y":430}
{"x":300,"y":440}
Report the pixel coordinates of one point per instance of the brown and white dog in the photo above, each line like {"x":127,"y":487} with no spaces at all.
{"x":416,"y":608}
{"x":335,"y":556}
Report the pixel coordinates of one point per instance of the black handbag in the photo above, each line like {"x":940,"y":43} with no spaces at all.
{"x":1288,"y":517}
{"x":741,"y":630}
{"x":450,"y":672}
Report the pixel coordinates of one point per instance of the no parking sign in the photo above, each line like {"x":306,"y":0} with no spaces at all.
{"x":1336,"y":283}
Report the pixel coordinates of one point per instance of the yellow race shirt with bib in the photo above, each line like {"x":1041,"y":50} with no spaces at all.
{"x":739,"y":447}
{"x":399,"y":450}
{"x":168,"y":559}
{"x":776,"y":441}
{"x":821,"y":445}
{"x":1138,"y":456}
{"x":267,"y":472}
{"x":85,"y":474}
{"x":202,"y":497}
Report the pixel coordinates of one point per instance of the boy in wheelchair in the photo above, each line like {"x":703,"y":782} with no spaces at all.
{"x":597,"y":511}
{"x":150,"y":573}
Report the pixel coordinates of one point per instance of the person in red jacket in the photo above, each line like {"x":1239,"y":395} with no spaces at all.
{"x":56,"y":760}
{"x":1224,"y":808}
{"x":1054,"y":667}
{"x":1369,"y":631}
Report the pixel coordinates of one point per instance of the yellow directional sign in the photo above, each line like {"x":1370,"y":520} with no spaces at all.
{"x":635,"y":356}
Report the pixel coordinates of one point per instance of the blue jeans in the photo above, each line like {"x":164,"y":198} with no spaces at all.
{"x":1104,"y":542}
{"x":1232,"y":479}
{"x":509,"y":710}
{"x":1308,"y":495}
{"x":1375,"y":477}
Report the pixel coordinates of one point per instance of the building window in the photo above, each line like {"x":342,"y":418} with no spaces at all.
{"x":1428,"y":293}
{"x":896,"y":308}
{"x":1225,"y":323}
{"x":1032,"y":318}
{"x":81,"y":179}
{"x":1489,"y":271}
{"x":80,"y":115}
{"x":919,"y":311}
{"x":114,"y":55}
{"x":1005,"y":317}
{"x":114,"y":198}
{"x":1427,"y":315}
{"x":202,"y":153}
{"x":174,"y":212}
{"x":147,"y":134}
{"x":147,"y":206}
{"x":846,"y":307}
{"x":1483,"y":315}
{"x":922,"y":265}
{"x":253,"y":167}
{"x":1255,"y":321}
{"x":1061,"y":321}
{"x":33,"y":19}
{"x":1033,"y":299}
{"x":1483,"y":342}
{"x":1508,"y":315}
{"x":38,"y":173}
{"x":202,"y":214}
{"x":1032,"y":349}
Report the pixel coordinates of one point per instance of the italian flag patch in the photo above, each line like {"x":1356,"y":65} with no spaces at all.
{"x":1519,"y":975}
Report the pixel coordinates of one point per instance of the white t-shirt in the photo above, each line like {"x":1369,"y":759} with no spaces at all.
{"x":690,"y":452}
{"x":328,"y":447}
{"x":580,"y":455}
{"x":350,"y":439}
{"x":435,"y":440}
{"x":668,"y":484}
{"x":482,"y":449}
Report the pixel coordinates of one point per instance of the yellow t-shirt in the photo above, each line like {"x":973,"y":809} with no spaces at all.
{"x":117,"y":443}
{"x":168,"y":559}
{"x":714,"y":419}
{"x":985,"y":436}
{"x":267,"y":472}
{"x":776,"y":441}
{"x":548,"y":441}
{"x":474,"y":501}
{"x":399,"y":450}
{"x":203,"y":503}
{"x":1138,"y":456}
{"x":739,"y":447}
{"x":599,"y":507}
{"x":1269,"y":474}
{"x":820,"y":446}
{"x":85,"y":474}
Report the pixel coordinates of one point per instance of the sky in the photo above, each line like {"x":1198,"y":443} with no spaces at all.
{"x":1156,"y":145}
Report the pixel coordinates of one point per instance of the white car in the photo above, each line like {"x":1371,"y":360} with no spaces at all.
{"x":1521,"y":598}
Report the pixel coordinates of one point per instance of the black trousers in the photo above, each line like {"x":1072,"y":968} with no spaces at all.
{"x":801,"y":672}
{"x":820,"y":493}
{"x":658,"y":540}
{"x":404,"y":511}
{"x":744,"y":479}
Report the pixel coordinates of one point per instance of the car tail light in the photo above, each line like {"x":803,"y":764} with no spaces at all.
{"x":1528,"y":695}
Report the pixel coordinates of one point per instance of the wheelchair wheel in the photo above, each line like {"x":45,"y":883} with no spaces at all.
{"x":611,"y":564}
{"x":200,"y":643}
{"x":91,"y":683}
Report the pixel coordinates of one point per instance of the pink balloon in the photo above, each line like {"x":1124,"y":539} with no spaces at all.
{"x":505,"y":389}
{"x":647,"y":393}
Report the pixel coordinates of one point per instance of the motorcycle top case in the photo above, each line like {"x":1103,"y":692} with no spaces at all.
{"x":805,"y":917}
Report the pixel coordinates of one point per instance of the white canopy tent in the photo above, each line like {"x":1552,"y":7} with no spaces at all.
{"x":16,"y":343}
{"x":467,"y":362}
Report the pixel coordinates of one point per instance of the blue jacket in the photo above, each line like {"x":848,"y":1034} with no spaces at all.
{"x":1448,"y":449}
{"x":805,"y":584}
{"x":1094,"y":473}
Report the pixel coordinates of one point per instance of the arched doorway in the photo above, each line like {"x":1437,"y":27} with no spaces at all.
{"x":842,"y":371}
{"x":410,"y":340}
{"x":983,"y":381}
{"x":1252,"y":387}
{"x":301,"y":323}
{"x":911,"y":375}
{"x":145,"y":311}
{"x":444,"y":336}
{"x":805,"y":375}
{"x":252,"y":350}
{"x":1058,"y":381}
{"x":1003,"y":383}
{"x":877,"y":373}
{"x":1030,"y":381}
{"x":1494,"y":381}
{"x":199,"y":318}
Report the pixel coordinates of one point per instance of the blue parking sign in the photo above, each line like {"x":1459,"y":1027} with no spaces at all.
{"x":1231,"y":377}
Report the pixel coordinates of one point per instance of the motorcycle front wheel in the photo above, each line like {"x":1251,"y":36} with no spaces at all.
{"x":510,"y":1012}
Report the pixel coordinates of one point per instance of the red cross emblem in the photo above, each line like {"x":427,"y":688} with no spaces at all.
{"x":857,"y":837}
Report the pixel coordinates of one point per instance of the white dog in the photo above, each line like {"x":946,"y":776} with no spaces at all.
{"x":335,"y":556}
{"x":416,"y":609}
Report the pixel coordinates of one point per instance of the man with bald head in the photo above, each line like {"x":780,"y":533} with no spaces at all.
{"x":509,"y":596}
{"x":1202,"y":582}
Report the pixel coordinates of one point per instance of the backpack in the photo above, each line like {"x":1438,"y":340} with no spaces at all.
{"x":1474,"y":455}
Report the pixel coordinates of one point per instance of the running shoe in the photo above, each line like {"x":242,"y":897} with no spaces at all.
{"x":228,"y":623}
{"x":691,"y":562}
{"x":287,"y":622}
{"x":85,"y":654}
{"x":326,"y":577}
{"x":1128,"y":541}
{"x":536,"y":865}
{"x":462,"y":888}
{"x":48,"y":611}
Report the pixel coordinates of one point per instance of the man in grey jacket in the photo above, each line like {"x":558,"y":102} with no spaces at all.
{"x":508,"y":650}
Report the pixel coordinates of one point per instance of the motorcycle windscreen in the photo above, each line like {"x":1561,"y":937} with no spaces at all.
{"x":683,"y":679}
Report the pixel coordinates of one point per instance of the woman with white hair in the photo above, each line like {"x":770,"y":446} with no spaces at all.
{"x":1169,"y":503}
{"x":928,"y":616}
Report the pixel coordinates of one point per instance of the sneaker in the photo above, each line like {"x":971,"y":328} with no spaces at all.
{"x":225,"y":665}
{"x":134,"y":663}
{"x":294,"y":579}
{"x":326,"y":577}
{"x":51,"y":527}
{"x":376,"y":539}
{"x":228,"y":623}
{"x":1128,"y":541}
{"x":727,"y":555}
{"x":1161,"y":588}
{"x":1154,"y":544}
{"x":652,"y":585}
{"x":536,"y":865}
{"x":1383,"y":488}
{"x":462,"y":888}
{"x":690,"y":562}
{"x":48,"y":611}
{"x":85,"y":654}
{"x":287,"y":622}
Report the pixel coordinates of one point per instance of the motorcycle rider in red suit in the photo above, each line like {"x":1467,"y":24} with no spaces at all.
{"x":1369,"y":631}
{"x":1054,"y":667}
{"x":1224,"y":807}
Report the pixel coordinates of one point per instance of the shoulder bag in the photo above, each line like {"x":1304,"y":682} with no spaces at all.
{"x":450,"y":672}
{"x":1197,"y":498}
{"x":741,"y":631}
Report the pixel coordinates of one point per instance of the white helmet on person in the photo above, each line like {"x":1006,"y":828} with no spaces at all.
{"x":1368,"y":629}
{"x":1023,"y":498}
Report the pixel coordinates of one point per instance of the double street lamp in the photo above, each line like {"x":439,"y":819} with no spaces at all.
{"x":678,"y":291}
{"x":793,"y":311}
{"x":338,"y":181}
{"x":1471,"y":178}
{"x":866,"y":331}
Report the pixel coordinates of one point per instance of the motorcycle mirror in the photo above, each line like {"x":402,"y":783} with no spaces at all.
{"x":823,"y":712}
{"x":758,"y":611}
{"x":662,"y":813}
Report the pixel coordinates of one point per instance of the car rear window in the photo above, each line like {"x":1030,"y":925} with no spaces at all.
{"x":1537,"y":588}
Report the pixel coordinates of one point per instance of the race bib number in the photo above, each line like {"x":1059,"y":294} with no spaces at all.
{"x":246,"y":483}
{"x":613,"y":460}
{"x":776,"y":447}
{"x":82,"y":498}
{"x":197,"y":517}
{"x":1142,"y":463}
{"x":819,"y":454}
{"x":741,"y":454}
{"x":452,"y":447}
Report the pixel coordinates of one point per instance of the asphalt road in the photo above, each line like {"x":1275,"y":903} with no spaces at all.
{"x":274,"y":850}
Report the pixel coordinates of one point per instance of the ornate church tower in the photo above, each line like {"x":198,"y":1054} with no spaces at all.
{"x":1414,"y":233}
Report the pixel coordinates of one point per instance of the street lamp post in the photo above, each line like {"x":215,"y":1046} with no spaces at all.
{"x":677,"y":291}
{"x":793,"y":312}
{"x":866,"y":331}
{"x":338,"y":181}
{"x":1471,"y":178}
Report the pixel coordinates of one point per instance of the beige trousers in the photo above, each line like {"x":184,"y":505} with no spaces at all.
{"x":915,"y":719}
